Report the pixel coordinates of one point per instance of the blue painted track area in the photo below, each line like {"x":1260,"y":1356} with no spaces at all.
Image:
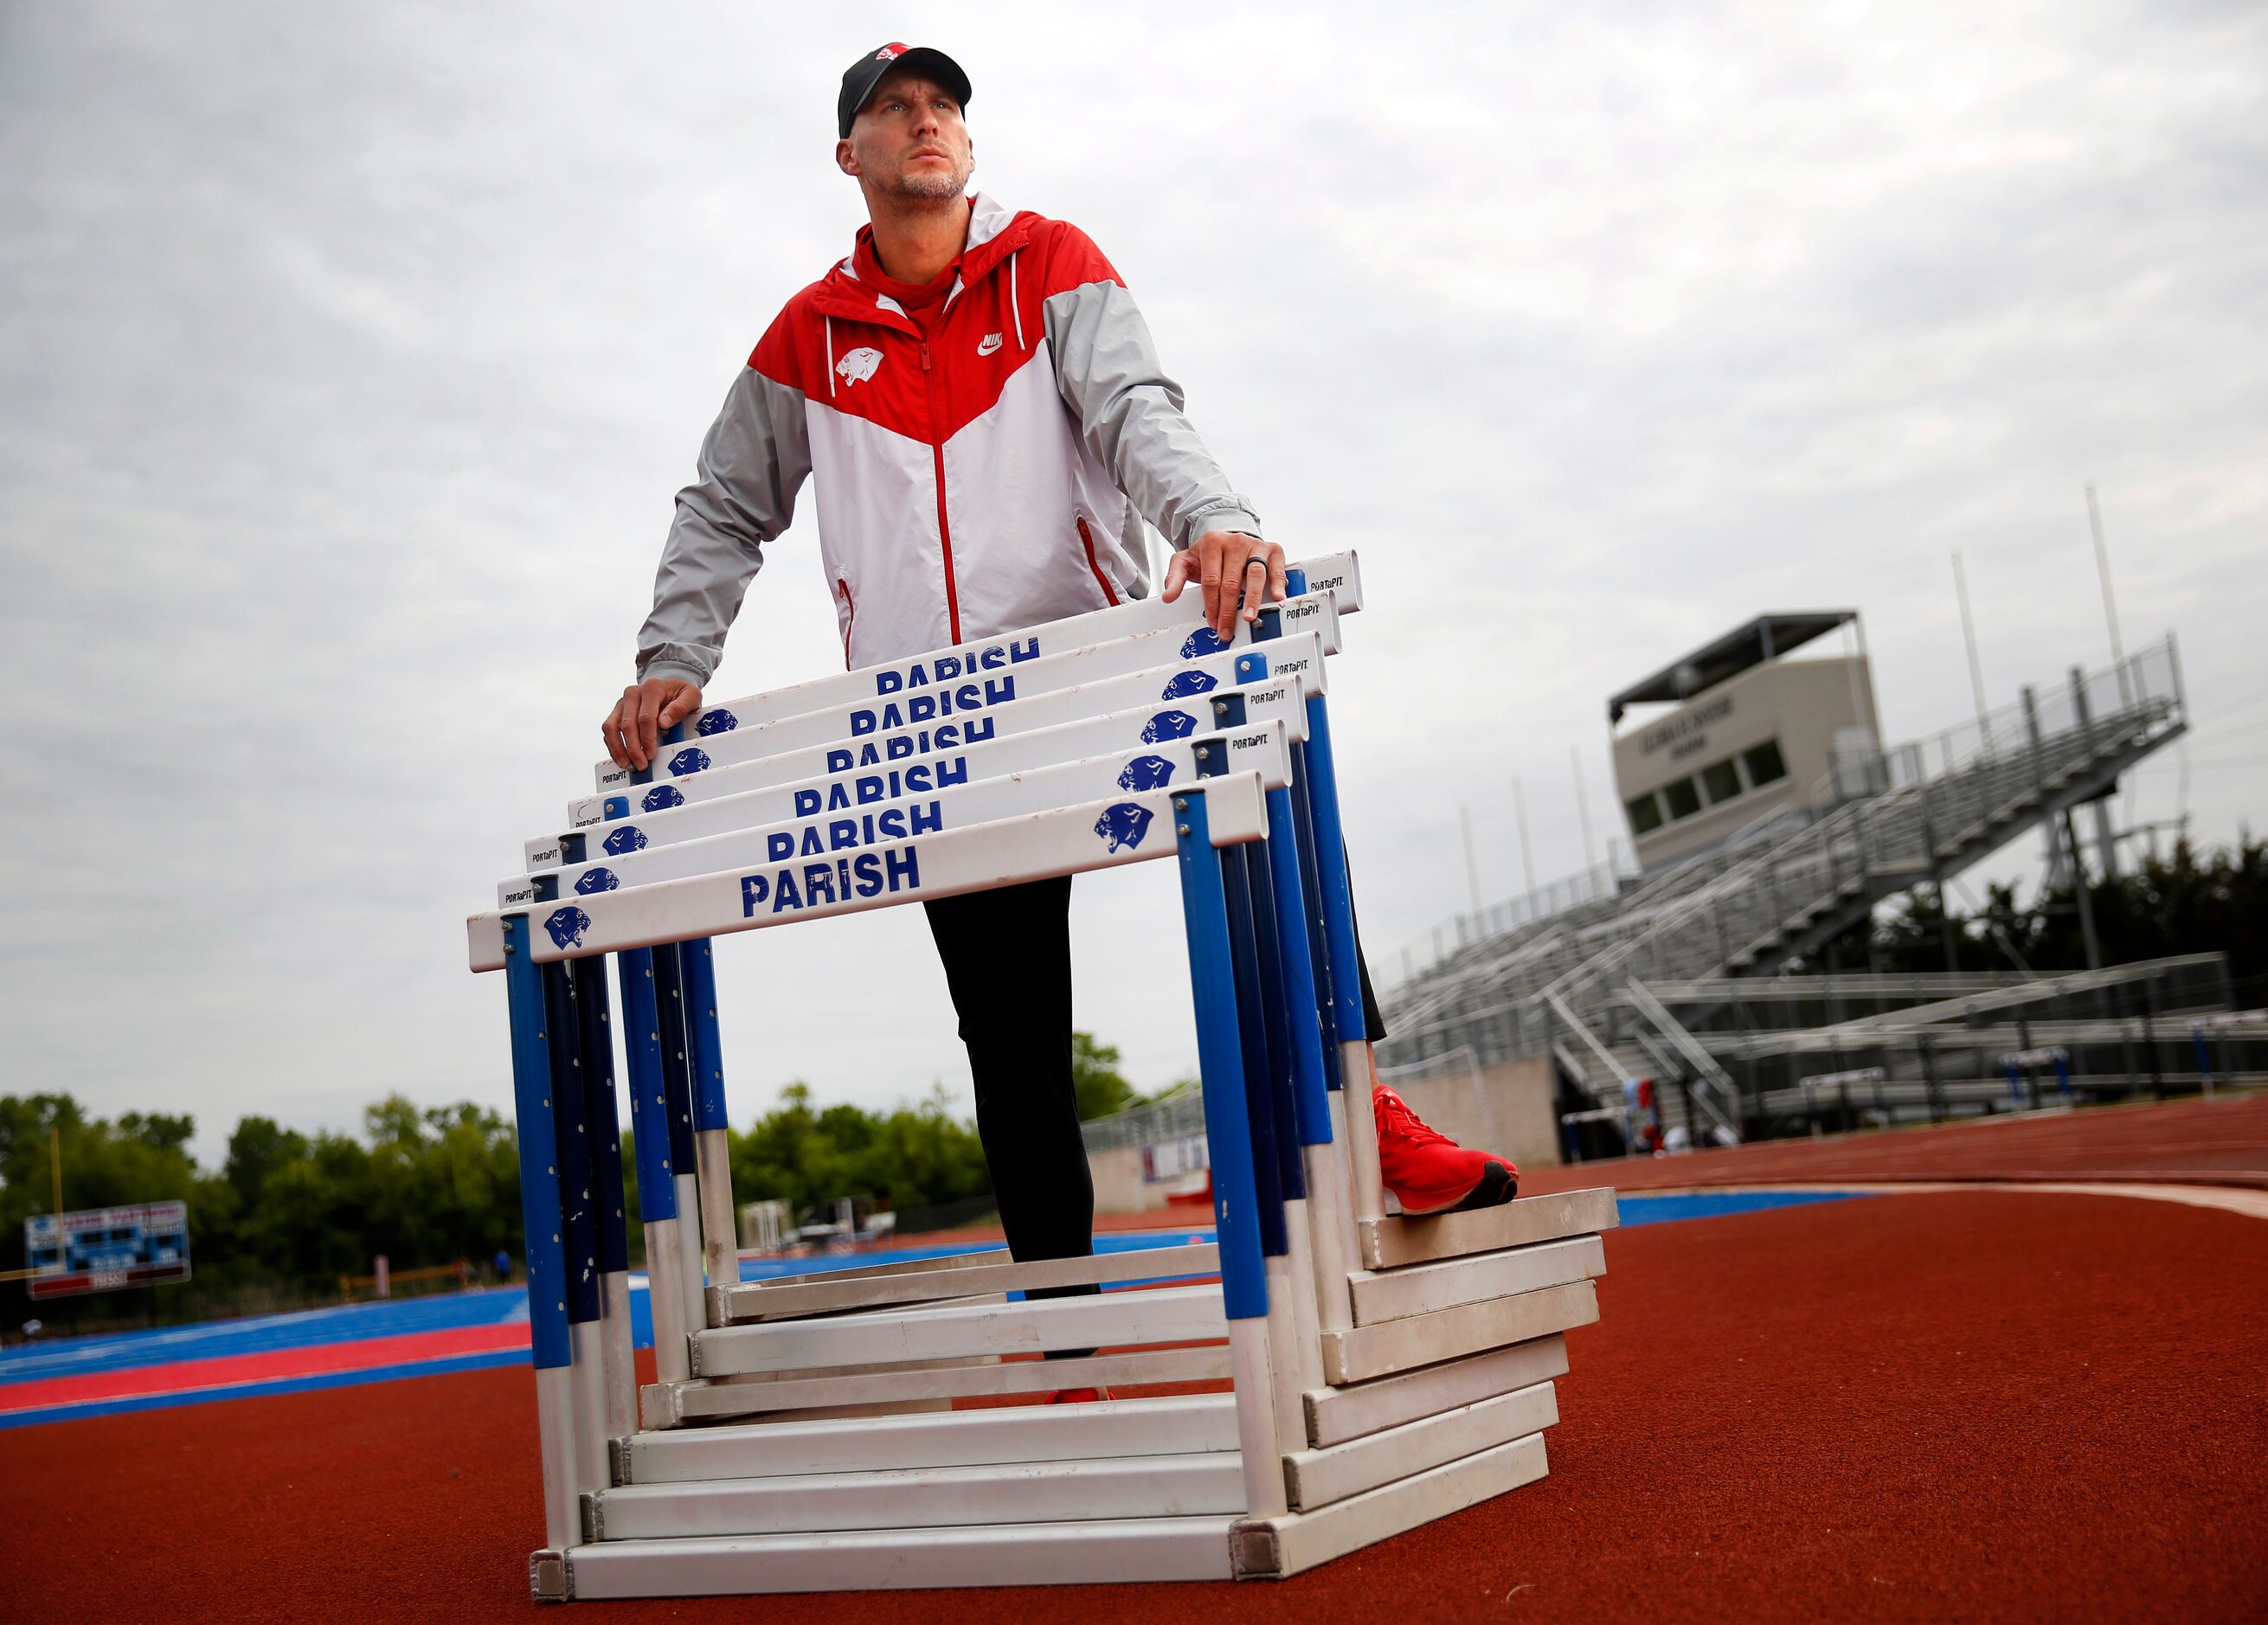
{"x":192,"y":1365}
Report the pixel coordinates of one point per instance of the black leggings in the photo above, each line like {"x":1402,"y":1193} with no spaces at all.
{"x":1008,"y":963}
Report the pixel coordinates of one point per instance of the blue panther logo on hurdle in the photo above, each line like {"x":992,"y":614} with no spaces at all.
{"x":1186,"y":683}
{"x":629,"y":838}
{"x":690,"y":760}
{"x":1122,"y":824}
{"x":716,"y":722}
{"x":1145,"y":773}
{"x":663,"y":796}
{"x":599,"y":879}
{"x":567,"y":926}
{"x":1203,"y":641}
{"x":1169,"y":725}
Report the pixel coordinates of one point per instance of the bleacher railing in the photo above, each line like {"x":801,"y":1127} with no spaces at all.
{"x":1923,"y":809}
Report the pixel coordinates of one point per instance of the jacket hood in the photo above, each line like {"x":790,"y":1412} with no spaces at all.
{"x":994,"y":235}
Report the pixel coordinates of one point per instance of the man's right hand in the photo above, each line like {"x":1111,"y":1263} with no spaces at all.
{"x":634,"y":728}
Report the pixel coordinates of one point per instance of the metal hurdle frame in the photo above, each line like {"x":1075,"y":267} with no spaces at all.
{"x":1308,"y":1298}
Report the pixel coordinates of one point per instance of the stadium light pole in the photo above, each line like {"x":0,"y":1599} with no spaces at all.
{"x":1520,"y":811}
{"x":1472,"y":868}
{"x":2105,"y":838}
{"x":1583,"y":807}
{"x":1968,"y":637}
{"x":2110,"y":601}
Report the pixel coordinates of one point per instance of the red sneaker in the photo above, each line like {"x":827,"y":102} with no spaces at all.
{"x":1077,"y":1396}
{"x":1430,"y":1173}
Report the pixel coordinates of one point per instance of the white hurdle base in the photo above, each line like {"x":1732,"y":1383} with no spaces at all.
{"x":1394,"y":1243}
{"x":1087,"y":1552}
{"x":1000,"y":1492}
{"x":1314,"y":1478}
{"x":671,"y":1405}
{"x":1185,"y":1424}
{"x":1122,"y":1550}
{"x":1272,"y":1548}
{"x":1436,"y":1397}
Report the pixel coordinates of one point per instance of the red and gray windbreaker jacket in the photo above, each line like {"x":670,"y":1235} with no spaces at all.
{"x":978,"y":480}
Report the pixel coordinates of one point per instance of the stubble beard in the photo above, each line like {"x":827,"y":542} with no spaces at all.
{"x":928,"y":186}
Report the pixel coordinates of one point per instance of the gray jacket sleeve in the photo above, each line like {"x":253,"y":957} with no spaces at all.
{"x":1130,"y":416}
{"x":753,"y":461}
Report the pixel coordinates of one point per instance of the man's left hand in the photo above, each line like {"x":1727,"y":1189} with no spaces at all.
{"x":1227,"y":564}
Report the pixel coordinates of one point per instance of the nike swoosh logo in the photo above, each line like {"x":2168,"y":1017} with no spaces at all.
{"x":989,"y":342}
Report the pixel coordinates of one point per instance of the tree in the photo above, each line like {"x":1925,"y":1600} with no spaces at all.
{"x":2185,"y":901}
{"x":256,"y":1149}
{"x":1100,"y":1090}
{"x":914,"y":1156}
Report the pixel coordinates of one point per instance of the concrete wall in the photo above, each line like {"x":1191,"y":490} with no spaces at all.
{"x":1508,"y":1107}
{"x":1118,"y":1184}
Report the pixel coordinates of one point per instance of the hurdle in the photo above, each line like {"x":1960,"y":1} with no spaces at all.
{"x":1361,"y":1373}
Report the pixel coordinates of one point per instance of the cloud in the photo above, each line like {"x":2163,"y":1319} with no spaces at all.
{"x":351,"y":359}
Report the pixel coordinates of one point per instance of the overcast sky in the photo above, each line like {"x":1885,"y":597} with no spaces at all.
{"x":351,"y":355}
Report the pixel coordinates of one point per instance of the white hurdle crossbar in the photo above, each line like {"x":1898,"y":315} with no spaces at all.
{"x":1384,"y":1371}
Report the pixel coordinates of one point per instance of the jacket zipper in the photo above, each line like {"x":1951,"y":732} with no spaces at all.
{"x":850,"y":617}
{"x":944,"y":529}
{"x":1087,"y":539}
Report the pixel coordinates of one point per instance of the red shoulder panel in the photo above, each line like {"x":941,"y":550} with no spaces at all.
{"x":780,"y":355}
{"x":1069,"y":258}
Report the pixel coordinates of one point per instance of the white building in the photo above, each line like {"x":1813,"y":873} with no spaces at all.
{"x":1748,"y":734}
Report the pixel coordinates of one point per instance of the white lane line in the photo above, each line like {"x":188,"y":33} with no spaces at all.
{"x":2225,"y":1198}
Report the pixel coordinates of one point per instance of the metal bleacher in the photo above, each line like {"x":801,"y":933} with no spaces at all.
{"x":1574,"y":982}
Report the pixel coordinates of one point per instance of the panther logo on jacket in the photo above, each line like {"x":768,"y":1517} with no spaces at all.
{"x":858,"y":365}
{"x":1145,"y":773}
{"x":567,"y":926}
{"x":1123,"y":824}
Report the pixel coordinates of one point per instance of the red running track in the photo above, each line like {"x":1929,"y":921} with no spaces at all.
{"x":1992,"y":1404}
{"x":2223,"y":1141}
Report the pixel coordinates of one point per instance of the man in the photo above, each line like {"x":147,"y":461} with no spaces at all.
{"x":980,"y":399}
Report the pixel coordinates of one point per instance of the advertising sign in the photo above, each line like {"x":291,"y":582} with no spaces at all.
{"x":1177,"y":1159}
{"x":102,"y":1249}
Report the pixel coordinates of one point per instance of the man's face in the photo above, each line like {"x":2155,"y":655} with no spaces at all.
{"x":909,"y":140}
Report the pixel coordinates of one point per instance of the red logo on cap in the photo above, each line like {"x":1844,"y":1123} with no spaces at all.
{"x":890,"y":53}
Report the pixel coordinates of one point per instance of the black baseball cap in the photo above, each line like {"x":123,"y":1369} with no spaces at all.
{"x":860,"y":78}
